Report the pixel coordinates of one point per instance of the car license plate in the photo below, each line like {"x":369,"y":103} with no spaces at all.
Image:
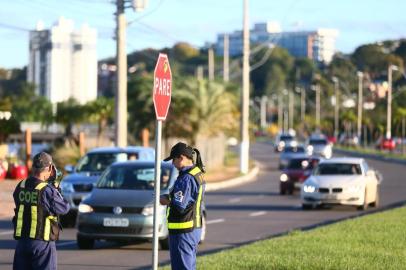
{"x":331,"y":197}
{"x":116,"y":222}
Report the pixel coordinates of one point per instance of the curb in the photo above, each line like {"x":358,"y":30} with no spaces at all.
{"x":249,"y":177}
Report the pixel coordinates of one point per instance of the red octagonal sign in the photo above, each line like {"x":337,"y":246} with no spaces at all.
{"x":162,"y":87}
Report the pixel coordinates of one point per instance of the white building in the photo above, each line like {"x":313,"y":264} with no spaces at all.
{"x":63,"y":62}
{"x":318,"y":45}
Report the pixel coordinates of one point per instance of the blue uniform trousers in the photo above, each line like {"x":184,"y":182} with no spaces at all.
{"x":35,"y":255}
{"x":183,"y":248}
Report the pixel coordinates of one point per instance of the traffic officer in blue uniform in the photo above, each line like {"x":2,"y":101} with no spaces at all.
{"x":184,"y":212}
{"x":36,"y":226}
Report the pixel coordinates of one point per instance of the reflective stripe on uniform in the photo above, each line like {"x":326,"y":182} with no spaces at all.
{"x":20,"y":220}
{"x":199,"y":200}
{"x":181,"y":225}
{"x":47,"y":229}
{"x":34,"y":216}
{"x":41,"y":185}
{"x":22,"y":184}
{"x":194,"y":171}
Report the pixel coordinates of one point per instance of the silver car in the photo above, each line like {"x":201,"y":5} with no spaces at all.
{"x":120,"y":207}
{"x":81,"y":179}
{"x":320,"y":146}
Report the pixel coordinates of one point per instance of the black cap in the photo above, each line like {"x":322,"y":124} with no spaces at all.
{"x":180,"y":149}
{"x":41,"y":160}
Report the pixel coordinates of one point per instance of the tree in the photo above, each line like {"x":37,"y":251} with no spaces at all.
{"x":100,"y":111}
{"x":68,"y":113}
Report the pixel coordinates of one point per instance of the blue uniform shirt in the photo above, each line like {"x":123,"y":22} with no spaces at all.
{"x":185,"y":190}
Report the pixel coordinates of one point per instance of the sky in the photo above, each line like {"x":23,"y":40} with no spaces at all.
{"x":165,"y":22}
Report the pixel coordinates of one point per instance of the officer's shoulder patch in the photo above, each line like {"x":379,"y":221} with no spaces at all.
{"x":178,"y":196}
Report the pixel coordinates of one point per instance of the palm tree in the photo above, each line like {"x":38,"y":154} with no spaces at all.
{"x":100,"y":111}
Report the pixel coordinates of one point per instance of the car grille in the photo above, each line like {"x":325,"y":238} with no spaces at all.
{"x":327,"y":190}
{"x":109,"y":209}
{"x":109,"y":230}
{"x":77,"y":201}
{"x":83,"y":187}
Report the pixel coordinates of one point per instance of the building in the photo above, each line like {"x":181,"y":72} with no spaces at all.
{"x":63,"y":62}
{"x":318,"y":45}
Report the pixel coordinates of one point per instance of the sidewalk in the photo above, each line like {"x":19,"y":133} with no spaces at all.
{"x":215,"y":181}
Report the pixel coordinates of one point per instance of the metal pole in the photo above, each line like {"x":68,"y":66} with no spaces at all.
{"x":336,"y":107}
{"x":389,"y":107}
{"x":157,"y":189}
{"x":226,"y":75}
{"x":121,"y":91}
{"x":302,"y":104}
{"x":263,"y":111}
{"x":359,"y":123}
{"x":211,"y":64}
{"x":285,"y":121}
{"x":317,"y":107}
{"x":291,"y":108}
{"x":280,"y":111}
{"x":244,"y":149}
{"x":403,"y":134}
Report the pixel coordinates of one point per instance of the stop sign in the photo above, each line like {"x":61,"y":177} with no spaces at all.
{"x":162,"y":87}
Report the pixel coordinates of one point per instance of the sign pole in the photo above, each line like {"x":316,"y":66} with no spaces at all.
{"x":157,"y":188}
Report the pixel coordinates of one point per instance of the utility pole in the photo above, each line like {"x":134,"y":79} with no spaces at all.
{"x":318,"y":107}
{"x":226,"y":71}
{"x":211,"y":64}
{"x":121,"y":91}
{"x":336,"y":107}
{"x":263,"y":107}
{"x":302,"y":104}
{"x":244,"y":148}
{"x":199,"y":73}
{"x":389,"y":107}
{"x":291,"y":108}
{"x":359,"y":122}
{"x":280,"y":110}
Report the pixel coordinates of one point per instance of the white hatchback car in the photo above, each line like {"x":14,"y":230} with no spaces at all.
{"x":345,"y":181}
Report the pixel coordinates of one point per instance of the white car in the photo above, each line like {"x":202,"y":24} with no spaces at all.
{"x":345,"y":181}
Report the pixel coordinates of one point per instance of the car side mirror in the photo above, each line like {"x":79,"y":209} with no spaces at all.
{"x":69,"y":168}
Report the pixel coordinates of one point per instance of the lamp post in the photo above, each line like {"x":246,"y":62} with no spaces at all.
{"x":336,"y":107}
{"x":121,"y":61}
{"x":359,"y":123}
{"x":389,"y":106}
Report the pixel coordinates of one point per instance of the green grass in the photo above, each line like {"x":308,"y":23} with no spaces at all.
{"x":376,"y":241}
{"x":373,"y":151}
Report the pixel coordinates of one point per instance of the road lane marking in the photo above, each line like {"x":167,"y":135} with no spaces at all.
{"x":259,"y":213}
{"x":6,"y":232}
{"x":234,"y":200}
{"x":66,"y":243}
{"x":215,"y":221}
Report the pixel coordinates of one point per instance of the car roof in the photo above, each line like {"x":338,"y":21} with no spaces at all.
{"x":128,"y":149}
{"x":345,"y":160}
{"x":141,"y":164}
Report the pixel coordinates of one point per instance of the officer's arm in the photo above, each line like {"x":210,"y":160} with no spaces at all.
{"x":182,"y":194}
{"x":54,"y":202}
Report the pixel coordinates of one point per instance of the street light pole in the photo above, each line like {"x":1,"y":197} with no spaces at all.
{"x":359,"y":123}
{"x":318,"y":107}
{"x":264,"y":101}
{"x":336,"y":108}
{"x":121,"y":81}
{"x":244,"y":148}
{"x":302,"y":104}
{"x":389,"y":107}
{"x":291,"y":108}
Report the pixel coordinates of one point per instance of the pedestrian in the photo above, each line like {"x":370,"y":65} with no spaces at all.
{"x":36,"y":222}
{"x":185,"y":206}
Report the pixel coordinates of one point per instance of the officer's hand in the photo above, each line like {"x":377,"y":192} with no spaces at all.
{"x":164,"y":199}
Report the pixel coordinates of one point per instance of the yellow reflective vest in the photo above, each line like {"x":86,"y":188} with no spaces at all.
{"x":191,"y":218}
{"x":31,"y":219}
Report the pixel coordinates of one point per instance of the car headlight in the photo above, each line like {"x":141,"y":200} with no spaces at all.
{"x":294,"y":143}
{"x":148,"y":210}
{"x":85,"y":208}
{"x":309,"y":188}
{"x":67,"y":187}
{"x":284,"y":177}
{"x":354,"y":188}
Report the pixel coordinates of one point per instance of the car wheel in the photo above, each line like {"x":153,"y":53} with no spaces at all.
{"x":282,"y":191}
{"x":306,"y":206}
{"x":204,"y":228}
{"x":84,"y":242}
{"x":364,"y":206}
{"x":376,"y":202}
{"x":164,"y":243}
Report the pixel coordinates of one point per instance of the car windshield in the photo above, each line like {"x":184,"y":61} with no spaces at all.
{"x":299,"y":164}
{"x":98,"y":162}
{"x":338,"y":169}
{"x":129,"y":177}
{"x":286,"y":138}
{"x":291,"y":149}
{"x":318,"y":142}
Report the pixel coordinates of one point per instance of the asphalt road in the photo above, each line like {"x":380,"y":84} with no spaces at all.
{"x":236,"y":216}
